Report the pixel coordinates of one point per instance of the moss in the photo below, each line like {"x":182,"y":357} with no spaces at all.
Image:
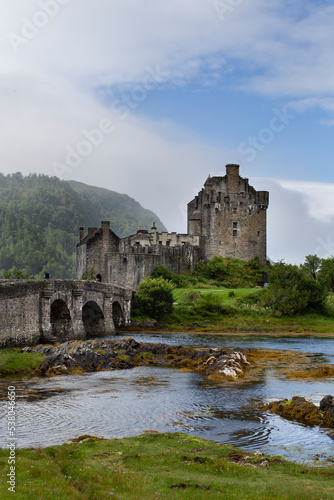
{"x":296,"y":409}
{"x":99,"y":351}
{"x":325,"y":371}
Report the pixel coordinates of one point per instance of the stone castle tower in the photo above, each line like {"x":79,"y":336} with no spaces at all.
{"x":231,"y":216}
{"x":227,"y":218}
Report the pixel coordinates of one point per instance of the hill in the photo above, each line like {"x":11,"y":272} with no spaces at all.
{"x":40,"y":218}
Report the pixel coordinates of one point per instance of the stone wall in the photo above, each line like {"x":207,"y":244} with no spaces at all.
{"x":231,"y":216}
{"x":127,"y":270}
{"x":227,"y":218}
{"x":32,"y":311}
{"x":19,"y":312}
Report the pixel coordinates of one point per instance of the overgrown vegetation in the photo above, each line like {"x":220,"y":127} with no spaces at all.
{"x":304,"y":293}
{"x":154,"y":297}
{"x":157,"y":465}
{"x":40,"y":217}
{"x":219,"y":271}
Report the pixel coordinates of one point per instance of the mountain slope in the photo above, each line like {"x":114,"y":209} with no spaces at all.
{"x":125,"y":214}
{"x":40,"y":217}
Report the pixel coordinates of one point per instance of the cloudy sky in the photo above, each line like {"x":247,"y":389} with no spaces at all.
{"x":149,"y":97}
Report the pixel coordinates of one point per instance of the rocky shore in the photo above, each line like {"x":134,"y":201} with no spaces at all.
{"x":298,"y":408}
{"x":75,"y":357}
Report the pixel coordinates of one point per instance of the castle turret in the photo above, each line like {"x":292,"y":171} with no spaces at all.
{"x":231,"y":216}
{"x":232,"y":175}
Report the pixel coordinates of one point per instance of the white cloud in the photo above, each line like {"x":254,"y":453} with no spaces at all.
{"x":48,"y":94}
{"x":317,"y":196}
{"x":300,"y":219}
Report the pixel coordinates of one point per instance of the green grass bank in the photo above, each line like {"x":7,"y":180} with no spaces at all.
{"x":225,"y":310}
{"x":153,"y":466}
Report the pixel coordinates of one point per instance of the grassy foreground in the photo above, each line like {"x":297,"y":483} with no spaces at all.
{"x":156,"y":465}
{"x":13,"y":361}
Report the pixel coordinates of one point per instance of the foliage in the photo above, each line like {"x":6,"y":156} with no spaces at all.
{"x":16,"y":274}
{"x":154,"y":297}
{"x":326,"y":274}
{"x":162,"y":272}
{"x":312,"y":265}
{"x":293,"y":291}
{"x":89,"y":275}
{"x":208,"y":304}
{"x":40,"y":217}
{"x":231,"y":273}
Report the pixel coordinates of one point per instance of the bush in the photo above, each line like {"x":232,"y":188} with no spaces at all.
{"x":209,"y":303}
{"x":17,"y":274}
{"x":162,"y":272}
{"x":292,"y":291}
{"x":326,"y":274}
{"x":154,"y":297}
{"x":190,"y":297}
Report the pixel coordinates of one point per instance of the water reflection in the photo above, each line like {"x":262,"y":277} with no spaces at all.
{"x":128,"y":402}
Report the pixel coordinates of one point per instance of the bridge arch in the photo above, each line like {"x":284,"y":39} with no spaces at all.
{"x":93,"y":319}
{"x":60,"y":319}
{"x":117,"y":314}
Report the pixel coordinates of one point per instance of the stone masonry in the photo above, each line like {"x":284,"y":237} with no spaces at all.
{"x":33,"y":311}
{"x":227,"y":218}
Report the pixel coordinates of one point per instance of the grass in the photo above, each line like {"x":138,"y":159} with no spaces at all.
{"x":12,"y":361}
{"x":153,"y":466}
{"x":238,"y":315}
{"x":179,"y":293}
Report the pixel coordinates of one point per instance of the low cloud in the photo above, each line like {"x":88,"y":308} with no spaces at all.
{"x":296,"y":228}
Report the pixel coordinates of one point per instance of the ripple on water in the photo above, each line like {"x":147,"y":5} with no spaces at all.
{"x":126,"y":403}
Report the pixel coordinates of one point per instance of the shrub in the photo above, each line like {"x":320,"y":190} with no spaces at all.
{"x":162,"y":272}
{"x":17,"y":274}
{"x":292,"y":291}
{"x":190,"y":297}
{"x":154,"y":297}
{"x":326,"y":274}
{"x":209,"y":303}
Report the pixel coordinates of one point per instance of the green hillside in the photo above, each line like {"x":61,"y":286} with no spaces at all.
{"x":40,"y":218}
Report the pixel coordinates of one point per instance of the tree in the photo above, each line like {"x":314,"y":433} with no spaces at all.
{"x":162,"y":272}
{"x":293,"y":291}
{"x":326,"y":274}
{"x":312,"y":265}
{"x":154,"y":297}
{"x":16,"y":274}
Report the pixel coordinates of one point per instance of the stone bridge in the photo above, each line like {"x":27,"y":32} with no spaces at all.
{"x":33,"y":311}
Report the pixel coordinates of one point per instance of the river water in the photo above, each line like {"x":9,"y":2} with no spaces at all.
{"x":127,"y":402}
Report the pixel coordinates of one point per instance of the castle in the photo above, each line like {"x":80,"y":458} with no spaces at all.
{"x":228,"y":217}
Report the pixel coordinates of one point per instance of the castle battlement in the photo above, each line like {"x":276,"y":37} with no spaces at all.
{"x":226,"y":218}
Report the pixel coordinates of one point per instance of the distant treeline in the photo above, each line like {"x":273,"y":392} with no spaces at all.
{"x":40,"y":218}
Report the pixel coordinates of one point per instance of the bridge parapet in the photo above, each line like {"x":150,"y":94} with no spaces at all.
{"x":32,"y":311}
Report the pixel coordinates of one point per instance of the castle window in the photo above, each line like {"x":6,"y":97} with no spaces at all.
{"x":234,"y":210}
{"x":258,"y":234}
{"x":235,"y":225}
{"x":167,"y":243}
{"x":235,"y":232}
